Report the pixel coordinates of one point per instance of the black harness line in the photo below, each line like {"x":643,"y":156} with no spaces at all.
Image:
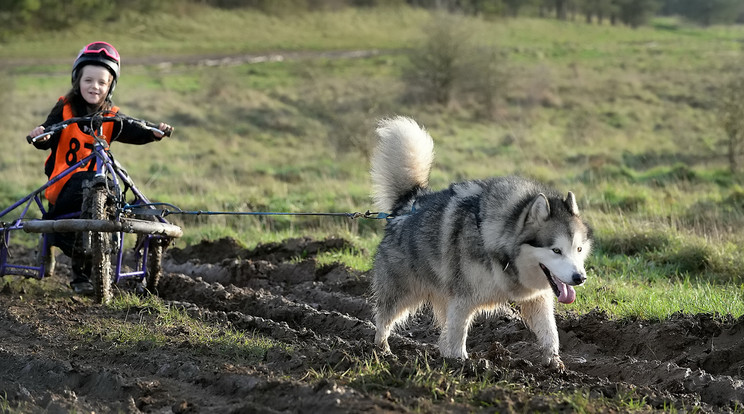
{"x":148,"y":209}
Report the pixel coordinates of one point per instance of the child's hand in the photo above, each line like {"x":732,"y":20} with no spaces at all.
{"x":167,"y":129}
{"x":38,"y":131}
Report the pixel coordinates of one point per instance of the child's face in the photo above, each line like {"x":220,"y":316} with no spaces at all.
{"x":95,"y":82}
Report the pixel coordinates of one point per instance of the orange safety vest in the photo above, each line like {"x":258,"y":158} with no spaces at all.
{"x":73,"y":146}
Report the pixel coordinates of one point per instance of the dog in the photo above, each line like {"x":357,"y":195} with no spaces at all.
{"x":473,"y":247}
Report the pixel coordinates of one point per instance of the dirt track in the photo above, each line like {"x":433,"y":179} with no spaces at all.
{"x":687,"y":363}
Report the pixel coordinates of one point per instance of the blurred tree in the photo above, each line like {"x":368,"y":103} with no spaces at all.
{"x":16,"y":14}
{"x":705,"y":12}
{"x":448,"y":64}
{"x":513,"y":6}
{"x":597,"y":9}
{"x":635,"y":13}
{"x":476,"y":7}
{"x":560,"y":9}
{"x":437,"y":63}
{"x":24,"y":15}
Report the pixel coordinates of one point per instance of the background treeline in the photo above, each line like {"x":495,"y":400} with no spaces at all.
{"x":19,"y":16}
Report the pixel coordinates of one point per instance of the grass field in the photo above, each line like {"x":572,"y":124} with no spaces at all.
{"x":624,"y":118}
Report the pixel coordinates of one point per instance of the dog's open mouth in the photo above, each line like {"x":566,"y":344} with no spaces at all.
{"x":564,"y":292}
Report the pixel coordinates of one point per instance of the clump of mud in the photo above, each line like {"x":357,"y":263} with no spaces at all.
{"x":229,"y":248}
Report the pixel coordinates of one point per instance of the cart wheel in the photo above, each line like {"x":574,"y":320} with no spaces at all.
{"x":96,"y":207}
{"x":154,"y":264}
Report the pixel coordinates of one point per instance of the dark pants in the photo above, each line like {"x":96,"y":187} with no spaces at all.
{"x":70,"y":200}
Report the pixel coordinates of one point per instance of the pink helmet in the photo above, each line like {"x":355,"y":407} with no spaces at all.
{"x":102,"y":54}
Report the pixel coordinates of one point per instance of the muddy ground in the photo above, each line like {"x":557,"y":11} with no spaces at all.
{"x":687,"y":363}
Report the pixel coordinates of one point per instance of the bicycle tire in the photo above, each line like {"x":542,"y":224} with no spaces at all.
{"x":154,"y":269}
{"x":95,"y":207}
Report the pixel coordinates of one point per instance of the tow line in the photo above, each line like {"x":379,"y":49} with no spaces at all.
{"x":149,"y":209}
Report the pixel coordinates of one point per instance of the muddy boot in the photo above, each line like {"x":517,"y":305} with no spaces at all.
{"x":50,"y":261}
{"x":81,"y":283}
{"x":46,"y":256}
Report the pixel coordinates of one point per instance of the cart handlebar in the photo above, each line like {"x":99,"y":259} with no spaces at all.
{"x":96,"y":120}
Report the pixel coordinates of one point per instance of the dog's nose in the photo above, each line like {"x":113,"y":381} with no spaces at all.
{"x":579,"y":278}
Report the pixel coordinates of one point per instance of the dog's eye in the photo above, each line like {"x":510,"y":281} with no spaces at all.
{"x":557,"y":250}
{"x":579,"y":249}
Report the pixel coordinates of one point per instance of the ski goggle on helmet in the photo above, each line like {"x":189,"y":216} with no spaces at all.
{"x":98,"y":53}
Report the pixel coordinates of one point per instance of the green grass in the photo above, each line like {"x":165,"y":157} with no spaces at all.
{"x":440,"y":384}
{"x":443,"y":385}
{"x":149,"y":324}
{"x":202,"y":30}
{"x":622,"y":295}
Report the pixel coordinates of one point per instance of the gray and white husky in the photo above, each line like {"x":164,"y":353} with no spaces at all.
{"x":473,"y":247}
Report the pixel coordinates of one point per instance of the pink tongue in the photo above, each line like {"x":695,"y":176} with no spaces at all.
{"x":568,"y":294}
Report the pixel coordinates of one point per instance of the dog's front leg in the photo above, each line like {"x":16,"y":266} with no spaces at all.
{"x":455,"y":333}
{"x":539,"y":316}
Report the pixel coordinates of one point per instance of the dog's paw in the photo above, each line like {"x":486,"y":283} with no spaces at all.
{"x":384,"y":355}
{"x":383,"y":348}
{"x":554,"y":362}
{"x":384,"y":352}
{"x":455,"y":355}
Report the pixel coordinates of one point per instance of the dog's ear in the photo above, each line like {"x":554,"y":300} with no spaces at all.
{"x":570,"y":201}
{"x":539,"y":210}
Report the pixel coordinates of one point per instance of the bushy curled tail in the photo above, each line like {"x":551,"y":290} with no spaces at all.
{"x":401,"y":161}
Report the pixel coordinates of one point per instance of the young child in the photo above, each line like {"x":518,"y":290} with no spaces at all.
{"x":95,"y":72}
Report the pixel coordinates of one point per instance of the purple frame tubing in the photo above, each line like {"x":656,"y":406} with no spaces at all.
{"x":103,"y":163}
{"x":17,"y":224}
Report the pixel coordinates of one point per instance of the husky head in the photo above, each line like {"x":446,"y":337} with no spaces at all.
{"x":556,"y":243}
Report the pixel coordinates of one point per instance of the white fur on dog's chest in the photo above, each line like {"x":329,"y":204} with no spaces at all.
{"x":495,"y":285}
